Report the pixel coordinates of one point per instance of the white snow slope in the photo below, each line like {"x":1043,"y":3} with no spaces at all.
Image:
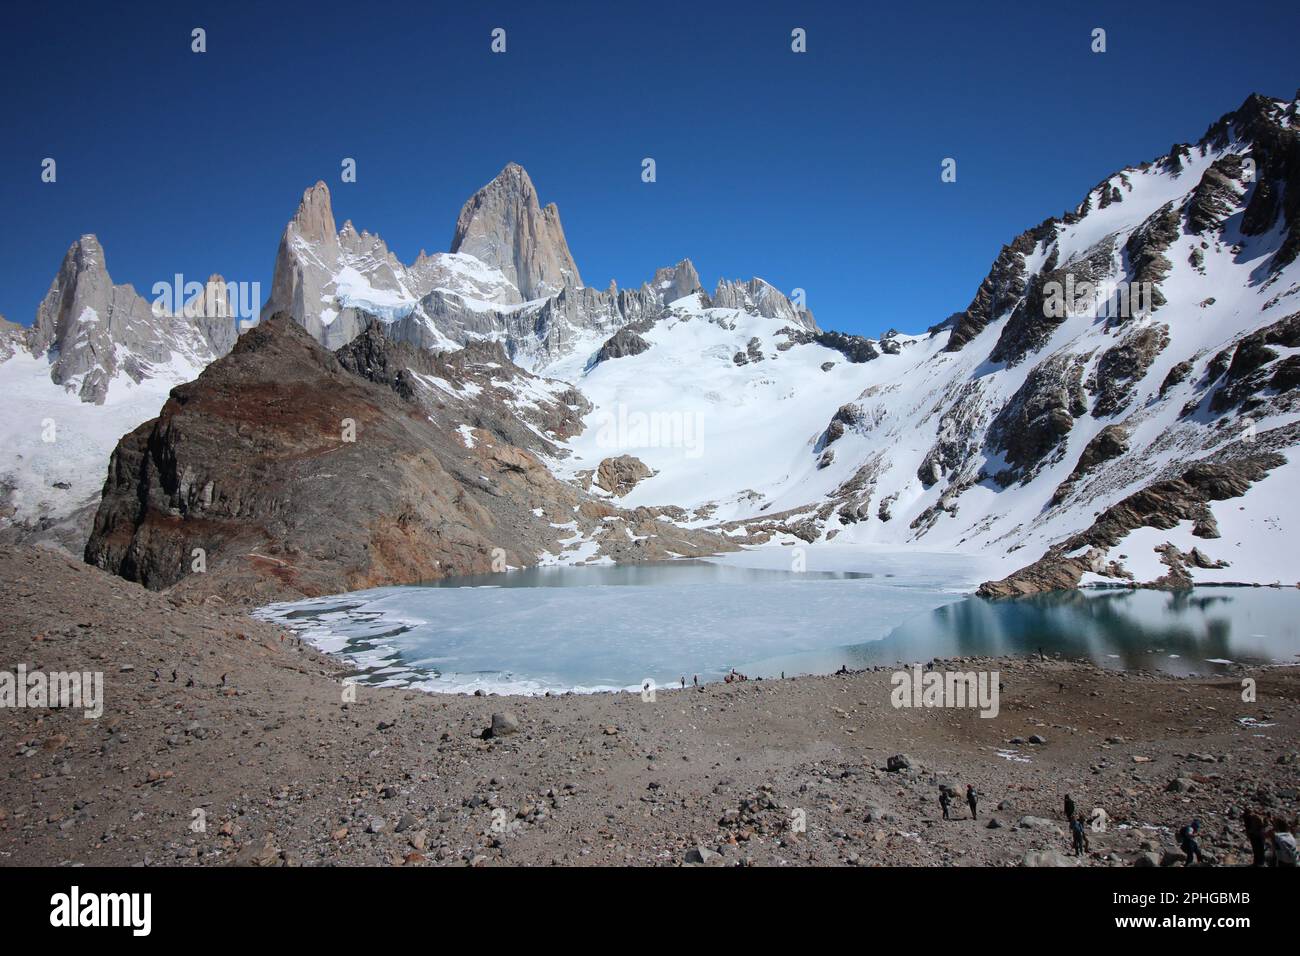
{"x":732,"y":410}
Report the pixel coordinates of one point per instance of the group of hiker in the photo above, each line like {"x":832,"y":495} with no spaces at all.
{"x":946,"y":794}
{"x":1277,"y":835}
{"x":1271,"y":842}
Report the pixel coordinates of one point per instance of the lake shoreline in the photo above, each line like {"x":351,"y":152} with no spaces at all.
{"x":463,"y":635}
{"x":255,"y":734}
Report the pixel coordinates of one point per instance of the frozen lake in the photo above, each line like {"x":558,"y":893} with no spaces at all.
{"x":609,"y":628}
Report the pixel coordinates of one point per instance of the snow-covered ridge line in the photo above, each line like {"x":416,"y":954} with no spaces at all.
{"x":1005,"y":430}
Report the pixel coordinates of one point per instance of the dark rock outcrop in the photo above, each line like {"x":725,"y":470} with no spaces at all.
{"x":1147,"y":246}
{"x":1039,"y":415}
{"x":1001,"y":289}
{"x":622,"y":343}
{"x":1216,"y":196}
{"x":1033,"y":321}
{"x":1254,"y":366}
{"x":855,"y":348}
{"x":1122,"y":366}
{"x":1106,"y":445}
{"x":845,"y":417}
{"x":1275,"y":151}
{"x":295,"y":471}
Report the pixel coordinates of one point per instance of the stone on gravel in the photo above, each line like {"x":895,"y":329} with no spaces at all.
{"x":701,"y":855}
{"x":503,"y":723}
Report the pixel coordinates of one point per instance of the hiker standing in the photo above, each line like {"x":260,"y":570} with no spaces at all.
{"x":1187,"y":842}
{"x":944,"y":801}
{"x":971,"y":799}
{"x":1080,"y":835}
{"x":1255,"y":828}
{"x":1069,"y":807}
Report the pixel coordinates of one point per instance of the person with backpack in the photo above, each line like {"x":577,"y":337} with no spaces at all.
{"x":1187,"y":843}
{"x":1080,"y":836}
{"x":971,"y":799}
{"x":944,"y":801}
{"x":1284,"y":848}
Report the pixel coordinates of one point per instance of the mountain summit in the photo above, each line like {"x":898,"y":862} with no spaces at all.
{"x":92,"y":332}
{"x":503,"y":226}
{"x":509,"y":277}
{"x":1124,"y":370}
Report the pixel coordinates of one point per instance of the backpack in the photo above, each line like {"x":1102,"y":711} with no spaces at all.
{"x":1284,"y":849}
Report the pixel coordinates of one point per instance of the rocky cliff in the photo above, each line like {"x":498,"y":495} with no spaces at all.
{"x":509,"y":276}
{"x":92,"y":331}
{"x":285,"y":469}
{"x":503,"y":226}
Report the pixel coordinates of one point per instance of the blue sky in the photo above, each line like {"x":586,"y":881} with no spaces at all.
{"x":818,"y":171}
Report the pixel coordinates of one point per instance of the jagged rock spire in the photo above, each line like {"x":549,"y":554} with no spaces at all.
{"x":504,"y":226}
{"x":93,"y":330}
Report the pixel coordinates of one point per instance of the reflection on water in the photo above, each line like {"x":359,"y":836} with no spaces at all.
{"x":1183,"y":632}
{"x":601,"y":628}
{"x":646,"y":574}
{"x":608,"y":627}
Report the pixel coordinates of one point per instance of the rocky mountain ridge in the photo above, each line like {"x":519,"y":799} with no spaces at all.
{"x":509,"y":276}
{"x":1110,"y":350}
{"x":285,"y":469}
{"x":1123,"y":382}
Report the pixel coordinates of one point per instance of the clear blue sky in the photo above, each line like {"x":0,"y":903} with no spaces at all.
{"x":818,"y":171}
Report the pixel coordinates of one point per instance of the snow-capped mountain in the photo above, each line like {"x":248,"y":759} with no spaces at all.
{"x":95,"y":333}
{"x":97,"y":362}
{"x":509,"y":277}
{"x":1150,"y":339}
{"x":1116,"y":403}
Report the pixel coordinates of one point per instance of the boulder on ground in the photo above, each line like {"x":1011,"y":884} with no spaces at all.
{"x":503,"y":723}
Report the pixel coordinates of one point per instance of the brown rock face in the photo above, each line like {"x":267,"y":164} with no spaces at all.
{"x":504,"y":225}
{"x":288,"y":470}
{"x":620,"y":475}
{"x":252,"y":463}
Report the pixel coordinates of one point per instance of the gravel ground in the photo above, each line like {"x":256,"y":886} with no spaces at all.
{"x":273,"y":767}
